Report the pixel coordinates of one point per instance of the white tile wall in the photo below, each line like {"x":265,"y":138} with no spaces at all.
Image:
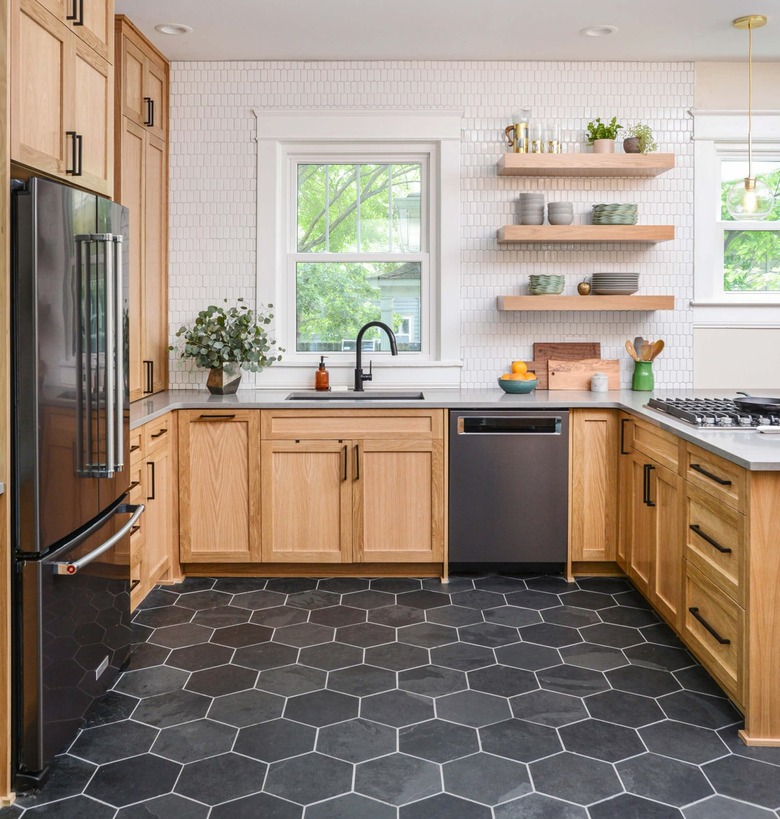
{"x":212,"y":190}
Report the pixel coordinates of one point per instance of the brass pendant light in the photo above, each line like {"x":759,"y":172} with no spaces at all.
{"x":751,"y":198}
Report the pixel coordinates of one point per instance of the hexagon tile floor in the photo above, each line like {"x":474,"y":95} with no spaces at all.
{"x":346,"y":698}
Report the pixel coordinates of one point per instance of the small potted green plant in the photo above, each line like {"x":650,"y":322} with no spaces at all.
{"x":602,"y":135}
{"x":639,"y":140}
{"x":226,"y":340}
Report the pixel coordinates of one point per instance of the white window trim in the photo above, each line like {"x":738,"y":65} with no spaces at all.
{"x":716,"y":134}
{"x":280,"y":134}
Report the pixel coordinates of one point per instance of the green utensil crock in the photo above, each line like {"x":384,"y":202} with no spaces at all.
{"x":643,"y":376}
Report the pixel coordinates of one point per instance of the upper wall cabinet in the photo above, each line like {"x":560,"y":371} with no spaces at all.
{"x":142,"y":186}
{"x":62,"y":91}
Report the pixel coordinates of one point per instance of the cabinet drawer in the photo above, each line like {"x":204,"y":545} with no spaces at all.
{"x":715,"y":541}
{"x":721,"y":478}
{"x":713,"y":627}
{"x":320,"y":424}
{"x":136,"y":445}
{"x":657,"y":444}
{"x":157,"y":433}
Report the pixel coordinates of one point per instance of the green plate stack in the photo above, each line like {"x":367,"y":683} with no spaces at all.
{"x":615,"y":214}
{"x":545,"y":284}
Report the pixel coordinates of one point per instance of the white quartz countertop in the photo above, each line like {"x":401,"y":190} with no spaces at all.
{"x":752,"y":450}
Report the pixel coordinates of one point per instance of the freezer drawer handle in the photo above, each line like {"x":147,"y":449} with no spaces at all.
{"x":499,"y":425}
{"x":694,"y":610}
{"x":68,"y":568}
{"x":694,"y":527}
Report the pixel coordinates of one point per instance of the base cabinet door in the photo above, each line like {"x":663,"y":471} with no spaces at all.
{"x":625,"y":492}
{"x":399,"y":501}
{"x":667,"y":492}
{"x":306,"y":501}
{"x":641,"y":528}
{"x":158,"y":517}
{"x":219,"y":486}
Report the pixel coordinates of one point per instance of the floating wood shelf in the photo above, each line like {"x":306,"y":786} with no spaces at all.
{"x":546,"y":303}
{"x":584,"y":164}
{"x":585,"y":233}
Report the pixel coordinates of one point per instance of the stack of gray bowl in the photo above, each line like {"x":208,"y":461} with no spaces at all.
{"x":531,"y":208}
{"x":560,"y":213}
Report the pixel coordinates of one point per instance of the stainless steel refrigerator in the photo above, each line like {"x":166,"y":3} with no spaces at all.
{"x":70,"y":473}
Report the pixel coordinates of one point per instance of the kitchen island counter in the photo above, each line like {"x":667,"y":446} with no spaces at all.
{"x":752,"y":450}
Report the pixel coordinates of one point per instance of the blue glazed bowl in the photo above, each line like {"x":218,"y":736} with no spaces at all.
{"x":517,"y":387}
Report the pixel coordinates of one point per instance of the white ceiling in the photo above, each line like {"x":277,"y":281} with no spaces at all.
{"x":455,"y":29}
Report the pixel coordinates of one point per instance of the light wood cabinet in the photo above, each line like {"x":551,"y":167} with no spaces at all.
{"x":142,"y":186}
{"x":219,"y":486}
{"x":667,"y":493}
{"x":373,"y":484}
{"x":593,"y":485}
{"x":62,"y":96}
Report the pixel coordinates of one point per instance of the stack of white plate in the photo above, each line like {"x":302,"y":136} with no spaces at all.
{"x":615,"y":284}
{"x":615,"y":214}
{"x":531,"y":208}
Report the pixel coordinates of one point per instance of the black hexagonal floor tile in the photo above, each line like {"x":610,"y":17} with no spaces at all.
{"x":697,"y":679}
{"x":132,"y":780}
{"x":397,"y":656}
{"x":398,"y":779}
{"x":259,"y":600}
{"x":608,"y":634}
{"x":255,"y":806}
{"x":587,"y":600}
{"x":502,"y":680}
{"x":223,"y":679}
{"x":660,"y":634}
{"x":454,"y":616}
{"x":350,"y":806}
{"x":278,"y":616}
{"x":289,"y":680}
{"x":623,"y":708}
{"x":688,"y":743}
{"x":548,"y":634}
{"x":550,"y":583}
{"x":146,"y":655}
{"x":322,"y":708}
{"x":531,"y":599}
{"x":432,"y":680}
{"x":539,"y":806}
{"x":662,"y":658}
{"x":223,"y":616}
{"x":395,"y":585}
{"x":513,"y":616}
{"x":109,"y":743}
{"x":396,"y":616}
{"x":396,"y":708}
{"x":721,"y":807}
{"x":601,"y":740}
{"x":664,"y":780}
{"x":313,"y":599}
{"x":490,"y":635}
{"x":171,"y":709}
{"x":365,"y":635}
{"x":309,"y":778}
{"x":575,"y":778}
{"x":246,"y":708}
{"x":463,"y":656}
{"x":647,"y":681}
{"x":199,"y":600}
{"x":746,"y":779}
{"x":337,"y":616}
{"x":368,"y":599}
{"x":473,"y":708}
{"x":623,"y":616}
{"x":200,"y":656}
{"x":488,"y":779}
{"x":478,"y":599}
{"x":77,"y":807}
{"x":500,"y":583}
{"x":530,"y":656}
{"x":112,"y":707}
{"x":423,"y":599}
{"x":237,"y":585}
{"x":438,"y":741}
{"x":303,"y":634}
{"x":627,"y":804}
{"x":569,"y":679}
{"x":357,"y":740}
{"x":569,"y":615}
{"x":166,"y":616}
{"x":186,"y":634}
{"x":275,"y":740}
{"x":427,"y":635}
{"x":444,"y":806}
{"x":291,"y":585}
{"x":519,"y":740}
{"x":361,"y":680}
{"x":589,"y":655}
{"x":205,"y":780}
{"x":194,"y":740}
{"x":330,"y":656}
{"x":265,"y":655}
{"x":192,"y":584}
{"x":244,"y":634}
{"x":548,"y":708}
{"x":148,"y":682}
{"x":605,"y":585}
{"x":170,"y":806}
{"x":343,"y":585}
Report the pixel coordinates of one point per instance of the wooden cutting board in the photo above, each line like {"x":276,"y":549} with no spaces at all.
{"x":559,"y":350}
{"x":576,"y":375}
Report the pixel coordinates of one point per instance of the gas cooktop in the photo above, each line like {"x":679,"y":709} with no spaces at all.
{"x":712,"y":413}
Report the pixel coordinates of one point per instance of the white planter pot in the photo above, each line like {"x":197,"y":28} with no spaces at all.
{"x":604,"y":146}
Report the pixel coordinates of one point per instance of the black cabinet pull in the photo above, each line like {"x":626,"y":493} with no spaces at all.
{"x":133,"y":486}
{"x":647,"y":469}
{"x":151,"y":497}
{"x":217,"y":417}
{"x":694,"y":527}
{"x":149,"y":365}
{"x":75,"y":155}
{"x":79,"y":140}
{"x":135,"y":447}
{"x":135,"y":583}
{"x":79,"y":21}
{"x":149,"y":121}
{"x":134,"y":529}
{"x":699,"y":468}
{"x":345,"y":461}
{"x":159,"y":434}
{"x":74,"y":13}
{"x":623,"y":422}
{"x":357,"y":462}
{"x":722,"y":640}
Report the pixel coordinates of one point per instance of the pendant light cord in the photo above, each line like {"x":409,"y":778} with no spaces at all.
{"x":750,"y":99}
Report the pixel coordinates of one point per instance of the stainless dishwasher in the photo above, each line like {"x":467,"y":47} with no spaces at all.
{"x":509,"y":489}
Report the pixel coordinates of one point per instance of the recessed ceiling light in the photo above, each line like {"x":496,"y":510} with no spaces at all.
{"x":599,"y":31}
{"x":173,"y":28}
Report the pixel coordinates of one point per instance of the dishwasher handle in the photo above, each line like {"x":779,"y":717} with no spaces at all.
{"x":506,"y":425}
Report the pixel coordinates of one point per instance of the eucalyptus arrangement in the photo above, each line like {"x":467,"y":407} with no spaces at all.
{"x":598,"y":130}
{"x":227,"y":339}
{"x":639,"y":139}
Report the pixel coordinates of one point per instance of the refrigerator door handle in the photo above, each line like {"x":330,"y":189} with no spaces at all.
{"x":84,"y":441}
{"x":119,"y":448}
{"x":107,"y":240}
{"x":71,"y":568}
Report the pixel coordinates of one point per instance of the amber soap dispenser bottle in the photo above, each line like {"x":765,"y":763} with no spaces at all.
{"x":322,"y":377}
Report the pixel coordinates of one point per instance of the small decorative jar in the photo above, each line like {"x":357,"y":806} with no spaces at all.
{"x":599,"y":382}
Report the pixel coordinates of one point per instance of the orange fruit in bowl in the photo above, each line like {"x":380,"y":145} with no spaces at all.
{"x":529,"y":377}
{"x":505,"y":377}
{"x":519,"y":367}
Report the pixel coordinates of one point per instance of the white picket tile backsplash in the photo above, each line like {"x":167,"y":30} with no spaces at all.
{"x":213,"y":191}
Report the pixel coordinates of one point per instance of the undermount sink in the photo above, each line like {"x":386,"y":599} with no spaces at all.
{"x":351,"y":395}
